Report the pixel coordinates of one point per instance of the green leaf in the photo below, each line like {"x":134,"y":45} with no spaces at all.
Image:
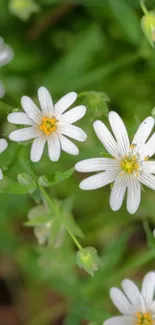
{"x":62,"y":176}
{"x":127,"y":19}
{"x":149,"y":234}
{"x":88,"y":259}
{"x":26,"y":180}
{"x":14,"y":188}
{"x":72,"y":226}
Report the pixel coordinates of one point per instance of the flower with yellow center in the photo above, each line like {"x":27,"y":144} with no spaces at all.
{"x":129,"y":165}
{"x":51,"y":124}
{"x":137,"y":307}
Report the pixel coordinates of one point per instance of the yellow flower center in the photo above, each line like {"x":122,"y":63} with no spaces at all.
{"x":130,"y":164}
{"x":48,"y":125}
{"x":144,"y":319}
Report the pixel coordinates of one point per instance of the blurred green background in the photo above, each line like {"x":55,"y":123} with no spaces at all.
{"x":82,"y":46}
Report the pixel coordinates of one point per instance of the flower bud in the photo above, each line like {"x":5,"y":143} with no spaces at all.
{"x":23,"y":8}
{"x":148,"y":26}
{"x":88,"y":259}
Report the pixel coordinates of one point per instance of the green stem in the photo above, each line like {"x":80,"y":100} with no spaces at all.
{"x":143,"y":7}
{"x":75,"y":240}
{"x":48,"y":202}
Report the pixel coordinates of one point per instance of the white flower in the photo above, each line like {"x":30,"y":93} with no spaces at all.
{"x":6,"y":53}
{"x":129,"y":165}
{"x":49,"y":124}
{"x":3,"y":146}
{"x":137,"y":307}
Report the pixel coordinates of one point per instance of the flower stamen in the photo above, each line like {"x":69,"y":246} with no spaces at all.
{"x":48,"y":125}
{"x":129,"y":164}
{"x":144,"y":319}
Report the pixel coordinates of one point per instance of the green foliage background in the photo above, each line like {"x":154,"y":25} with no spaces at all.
{"x":83,"y":45}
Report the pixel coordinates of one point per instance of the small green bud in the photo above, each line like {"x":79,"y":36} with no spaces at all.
{"x":23,"y":8}
{"x":148,"y":27}
{"x":89,"y":260}
{"x":43,"y":181}
{"x":26,"y":180}
{"x":97,"y":102}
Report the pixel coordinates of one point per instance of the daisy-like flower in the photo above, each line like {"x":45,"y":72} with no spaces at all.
{"x":50,"y":124}
{"x":129,"y":165}
{"x":6,"y":53}
{"x":137,"y":307}
{"x":3,"y":146}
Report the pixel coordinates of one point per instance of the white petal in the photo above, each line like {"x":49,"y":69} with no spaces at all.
{"x":31,"y":109}
{"x":3,"y":145}
{"x":120,"y":301}
{"x":149,"y":147}
{"x":119,"y":320}
{"x":24,"y":134}
{"x":133,"y":194}
{"x":148,"y":288}
{"x":65,"y":102}
{"x":37,"y":148}
{"x":120,"y":132}
{"x":1,"y":174}
{"x":68,"y":146}
{"x":6,"y":55}
{"x":74,"y":114}
{"x":147,"y":179}
{"x":19,"y":118}
{"x":132,"y":292}
{"x":118,"y":192}
{"x":142,"y":134}
{"x":97,"y":164}
{"x":98,"y":181}
{"x":149,"y":167}
{"x":106,"y":138}
{"x":53,"y":147}
{"x":72,"y":131}
{"x":46,"y":102}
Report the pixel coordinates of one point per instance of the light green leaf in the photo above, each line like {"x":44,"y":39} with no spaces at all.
{"x":39,"y":220}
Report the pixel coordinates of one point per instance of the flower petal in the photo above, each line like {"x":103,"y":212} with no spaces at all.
{"x":74,"y":114}
{"x":46,"y":102}
{"x":120,"y":132}
{"x":118,"y":192}
{"x":37,"y":148}
{"x":68,"y":146}
{"x":6,"y":55}
{"x":147,"y":179}
{"x":119,"y":320}
{"x":133,"y":194}
{"x":1,"y":174}
{"x":106,"y":138}
{"x":3,"y":145}
{"x":149,"y":167}
{"x":142,"y":134}
{"x":120,"y":301}
{"x":72,"y":131}
{"x":24,"y":134}
{"x":149,"y":148}
{"x":98,"y":181}
{"x":31,"y":109}
{"x":65,"y":102}
{"x":132,"y":292}
{"x":97,"y":164}
{"x":20,"y":118}
{"x":148,"y":288}
{"x":53,"y":146}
